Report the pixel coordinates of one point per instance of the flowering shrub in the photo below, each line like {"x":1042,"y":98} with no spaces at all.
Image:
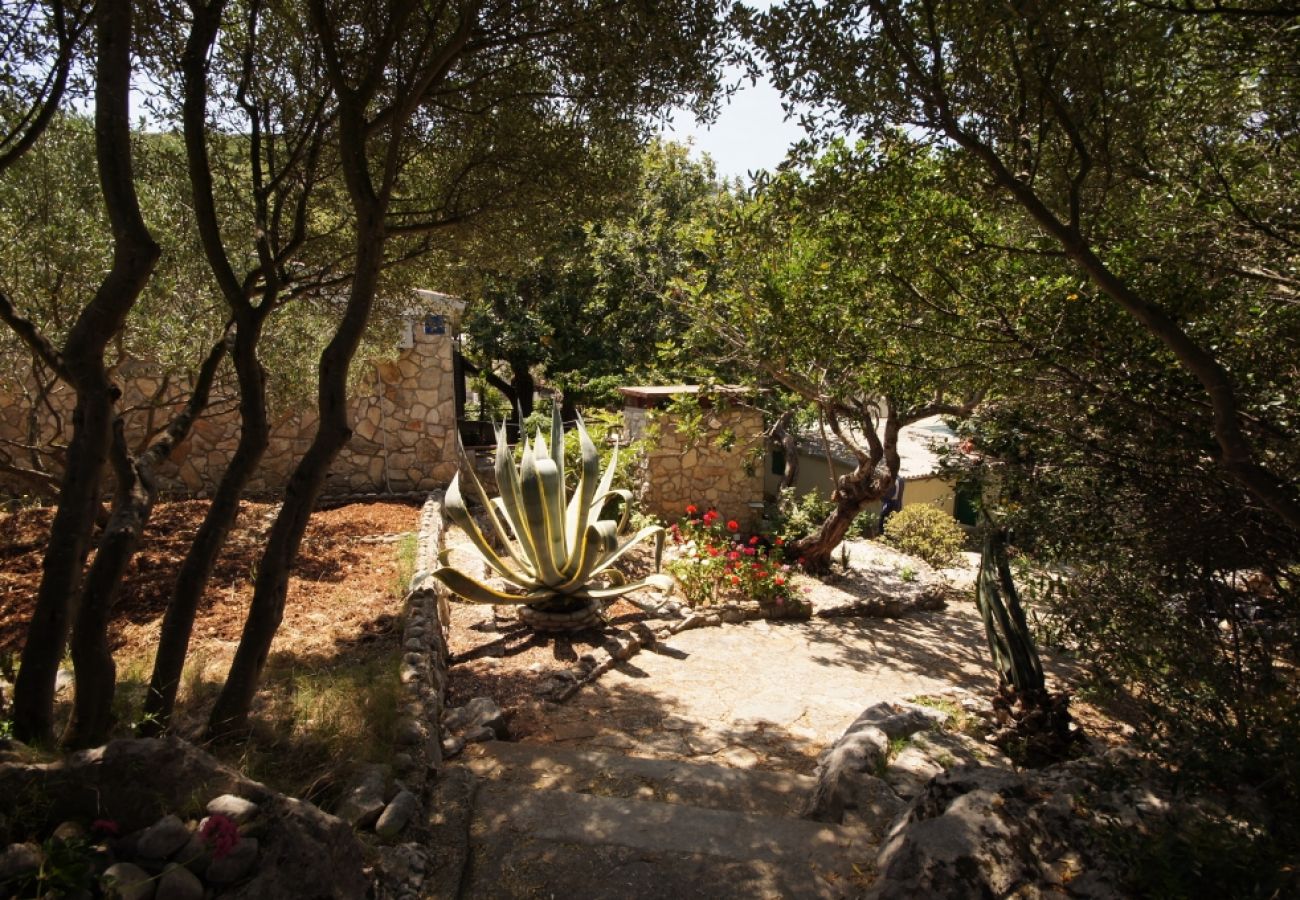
{"x":717,"y":562}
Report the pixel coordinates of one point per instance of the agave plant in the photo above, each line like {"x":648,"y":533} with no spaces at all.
{"x":556,"y":553}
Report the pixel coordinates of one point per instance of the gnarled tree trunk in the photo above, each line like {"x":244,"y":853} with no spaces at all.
{"x":134,"y":256}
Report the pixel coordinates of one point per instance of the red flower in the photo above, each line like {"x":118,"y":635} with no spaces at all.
{"x":106,"y":827}
{"x":713,"y":551}
{"x":749,"y":551}
{"x":710,"y":517}
{"x":780,"y":542}
{"x":735,"y":579}
{"x":692,"y":509}
{"x":753,"y":541}
{"x":220,"y":833}
{"x":779,"y":579}
{"x":733,"y":555}
{"x":733,"y":525}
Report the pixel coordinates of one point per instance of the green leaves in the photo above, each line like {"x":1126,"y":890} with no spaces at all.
{"x":553,"y":549}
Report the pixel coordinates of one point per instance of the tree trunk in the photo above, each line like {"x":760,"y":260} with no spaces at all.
{"x":853,"y":494}
{"x":230,"y":714}
{"x":134,"y":256}
{"x":178,"y":622}
{"x":524,"y":388}
{"x":137,"y":491}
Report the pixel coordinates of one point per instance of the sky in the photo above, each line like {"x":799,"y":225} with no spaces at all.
{"x":749,"y":134}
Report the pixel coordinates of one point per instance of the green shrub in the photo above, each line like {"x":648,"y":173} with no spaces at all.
{"x":925,"y":531}
{"x":798,"y":517}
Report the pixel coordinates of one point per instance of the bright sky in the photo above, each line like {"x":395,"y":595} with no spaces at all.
{"x":750,"y":133}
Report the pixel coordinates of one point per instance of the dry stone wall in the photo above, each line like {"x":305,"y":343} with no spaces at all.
{"x":721,"y":467}
{"x":403,"y":416}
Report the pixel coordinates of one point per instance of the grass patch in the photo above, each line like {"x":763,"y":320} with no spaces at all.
{"x":319,"y":720}
{"x":408,"y":546}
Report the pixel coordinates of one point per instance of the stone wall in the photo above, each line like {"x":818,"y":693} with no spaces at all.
{"x":722,"y":467}
{"x":403,"y":415}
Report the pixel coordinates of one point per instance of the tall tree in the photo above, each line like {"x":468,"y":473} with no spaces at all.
{"x":451,"y":81}
{"x":81,"y":363}
{"x":1079,"y":115}
{"x":842,"y":287}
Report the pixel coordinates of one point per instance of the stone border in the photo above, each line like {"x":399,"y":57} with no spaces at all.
{"x":425,"y":655}
{"x":428,"y":851}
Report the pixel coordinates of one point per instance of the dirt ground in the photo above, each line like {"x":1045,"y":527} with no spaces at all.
{"x":342,"y":608}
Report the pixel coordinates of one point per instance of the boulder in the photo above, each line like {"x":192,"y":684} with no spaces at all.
{"x":366,"y":797}
{"x":985,"y":832}
{"x":480,"y":712}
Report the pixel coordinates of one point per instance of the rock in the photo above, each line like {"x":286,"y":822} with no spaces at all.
{"x":236,"y":865}
{"x":452,"y":746}
{"x":365,"y":799}
{"x":19,"y":858}
{"x":477,"y":713}
{"x":196,"y":855}
{"x":480,"y":735}
{"x":984,"y":832}
{"x":306,"y":854}
{"x":163,"y":838}
{"x":68,"y":831}
{"x":910,"y":771}
{"x":63,"y":680}
{"x":179,"y":883}
{"x":127,"y":881}
{"x":847,"y":774}
{"x":397,"y":814}
{"x":237,"y":809}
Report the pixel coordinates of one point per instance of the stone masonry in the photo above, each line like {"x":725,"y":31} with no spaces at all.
{"x":403,"y":415}
{"x":718,"y":465}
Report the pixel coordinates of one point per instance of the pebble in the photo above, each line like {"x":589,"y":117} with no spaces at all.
{"x":163,"y":838}
{"x":19,"y":858}
{"x":237,"y":809}
{"x":237,"y":864}
{"x":397,"y":814}
{"x":179,"y":883}
{"x":127,"y":881}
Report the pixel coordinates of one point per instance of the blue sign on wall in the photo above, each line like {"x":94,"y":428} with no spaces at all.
{"x":434,"y":324}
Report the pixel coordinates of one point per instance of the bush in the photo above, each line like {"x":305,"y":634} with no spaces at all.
{"x":798,"y":517}
{"x":926,"y":532}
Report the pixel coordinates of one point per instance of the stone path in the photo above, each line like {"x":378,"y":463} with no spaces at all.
{"x":643,"y":783}
{"x":769,"y":695}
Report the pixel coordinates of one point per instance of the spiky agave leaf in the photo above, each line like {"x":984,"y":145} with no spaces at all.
{"x":561,"y":544}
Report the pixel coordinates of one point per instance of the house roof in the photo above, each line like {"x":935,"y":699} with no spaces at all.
{"x":921,"y":446}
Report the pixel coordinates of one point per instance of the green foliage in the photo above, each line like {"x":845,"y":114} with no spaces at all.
{"x":1011,"y":644}
{"x":555,"y":550}
{"x":925,"y":531}
{"x":798,"y":517}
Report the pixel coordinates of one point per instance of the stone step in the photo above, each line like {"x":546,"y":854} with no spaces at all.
{"x":554,"y":843}
{"x":553,"y":768}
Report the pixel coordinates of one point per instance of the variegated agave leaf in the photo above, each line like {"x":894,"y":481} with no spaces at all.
{"x":553,"y":548}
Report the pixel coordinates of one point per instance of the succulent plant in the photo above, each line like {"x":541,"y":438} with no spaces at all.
{"x":556,"y":552}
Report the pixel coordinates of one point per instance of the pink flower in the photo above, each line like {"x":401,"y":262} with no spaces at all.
{"x":220,"y":833}
{"x":710,"y":517}
{"x":749,"y":551}
{"x":106,"y":827}
{"x":733,"y":555}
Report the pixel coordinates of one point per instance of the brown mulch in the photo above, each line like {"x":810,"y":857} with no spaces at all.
{"x":343,"y":590}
